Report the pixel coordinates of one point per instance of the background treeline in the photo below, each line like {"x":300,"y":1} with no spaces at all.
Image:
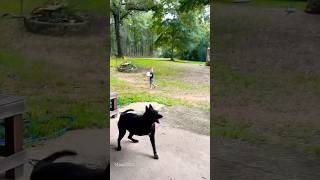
{"x":169,"y":31}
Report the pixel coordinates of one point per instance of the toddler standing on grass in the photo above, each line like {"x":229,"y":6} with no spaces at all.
{"x":151,"y":79}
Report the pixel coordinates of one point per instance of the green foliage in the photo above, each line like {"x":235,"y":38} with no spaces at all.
{"x":183,"y":34}
{"x":164,"y":31}
{"x":187,"y":5}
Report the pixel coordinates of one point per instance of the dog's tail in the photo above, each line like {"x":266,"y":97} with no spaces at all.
{"x":127,"y":111}
{"x":57,"y":155}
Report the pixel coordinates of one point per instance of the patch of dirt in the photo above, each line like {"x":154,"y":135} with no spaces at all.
{"x":193,"y":97}
{"x":197,"y":74}
{"x":191,"y":119}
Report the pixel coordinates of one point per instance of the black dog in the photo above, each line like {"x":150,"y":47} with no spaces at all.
{"x":139,"y":125}
{"x":47,"y":169}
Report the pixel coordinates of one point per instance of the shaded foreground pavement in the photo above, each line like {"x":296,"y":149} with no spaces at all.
{"x":90,"y":144}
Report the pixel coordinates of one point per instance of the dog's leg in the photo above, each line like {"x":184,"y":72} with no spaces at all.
{"x":133,"y":140}
{"x":122,"y":132}
{"x":153,"y":144}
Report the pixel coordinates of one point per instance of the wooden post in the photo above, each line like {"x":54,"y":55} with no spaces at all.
{"x":113,"y":105}
{"x":208,"y":57}
{"x":11,"y":110}
{"x":14,"y":141}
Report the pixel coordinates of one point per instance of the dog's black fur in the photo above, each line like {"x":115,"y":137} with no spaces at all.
{"x":47,"y":169}
{"x":139,"y":125}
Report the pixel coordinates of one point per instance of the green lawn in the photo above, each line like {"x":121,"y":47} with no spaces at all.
{"x":50,"y":93}
{"x":167,"y":74}
{"x":267,"y":93}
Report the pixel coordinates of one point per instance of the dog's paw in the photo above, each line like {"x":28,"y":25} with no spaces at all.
{"x":119,"y":149}
{"x":156,"y":156}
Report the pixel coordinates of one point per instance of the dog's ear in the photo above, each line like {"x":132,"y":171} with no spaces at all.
{"x":147,"y":108}
{"x":150,"y":107}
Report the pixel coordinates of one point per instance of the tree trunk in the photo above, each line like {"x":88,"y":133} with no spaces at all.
{"x":142,"y":47}
{"x":172,"y":46}
{"x":117,"y":22}
{"x":313,"y":6}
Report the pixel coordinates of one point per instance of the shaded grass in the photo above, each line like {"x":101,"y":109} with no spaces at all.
{"x":88,"y":113}
{"x":243,"y":88}
{"x":298,"y":4}
{"x":16,"y":68}
{"x":294,"y":138}
{"x":224,"y":127}
{"x":46,"y":121}
{"x":97,"y":6}
{"x":247,"y":82}
{"x":313,"y":149}
{"x":49,"y":94}
{"x":261,"y":88}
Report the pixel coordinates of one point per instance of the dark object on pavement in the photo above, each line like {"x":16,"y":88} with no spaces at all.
{"x":47,"y":169}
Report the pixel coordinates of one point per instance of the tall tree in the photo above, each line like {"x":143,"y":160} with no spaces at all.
{"x":180,"y":32}
{"x":121,"y":9}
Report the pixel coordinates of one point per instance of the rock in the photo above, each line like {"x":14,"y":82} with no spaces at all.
{"x":127,"y":67}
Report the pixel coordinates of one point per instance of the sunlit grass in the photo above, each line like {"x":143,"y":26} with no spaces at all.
{"x":167,"y":76}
